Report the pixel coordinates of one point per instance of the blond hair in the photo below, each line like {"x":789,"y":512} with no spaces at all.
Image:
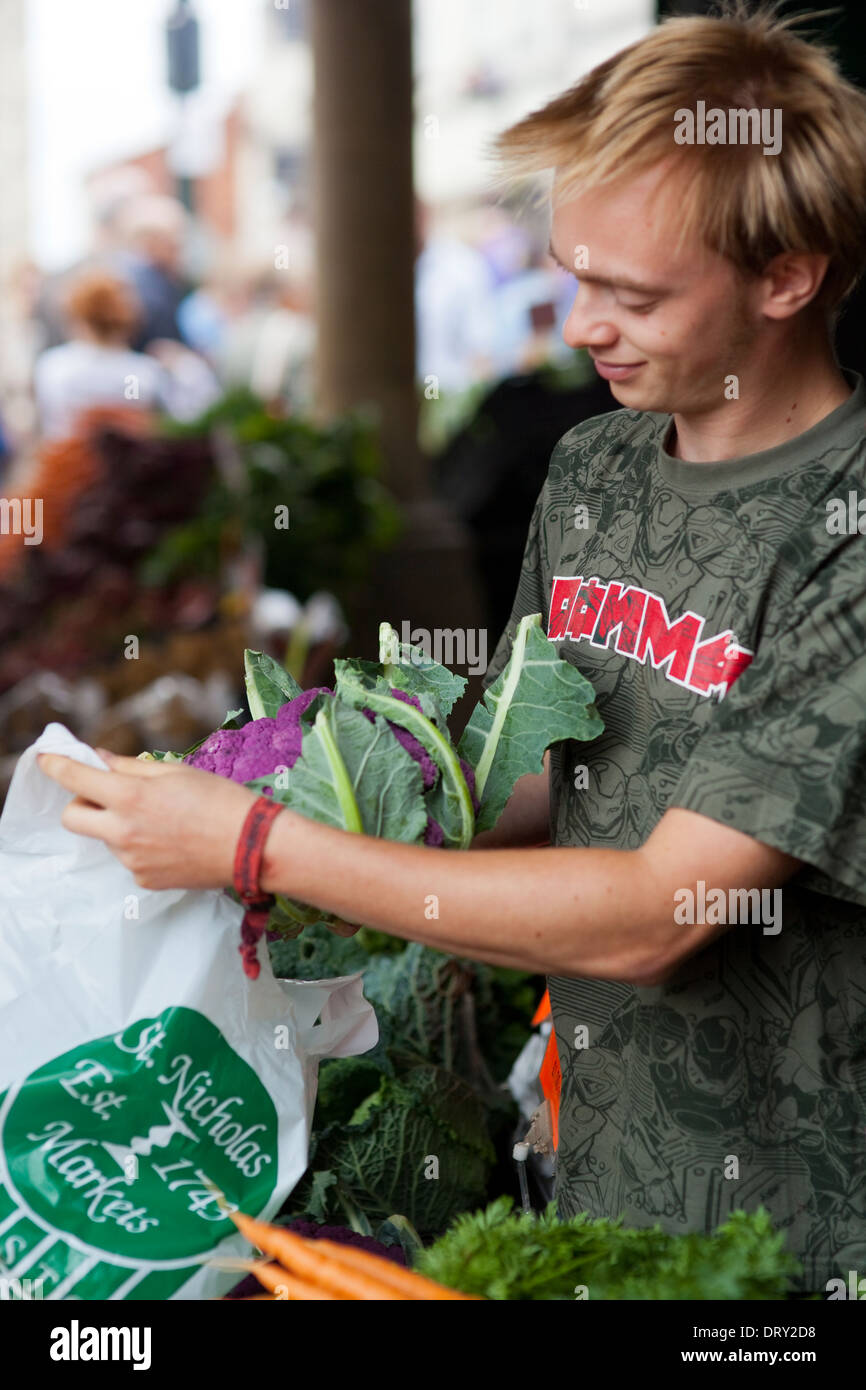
{"x":619,"y":120}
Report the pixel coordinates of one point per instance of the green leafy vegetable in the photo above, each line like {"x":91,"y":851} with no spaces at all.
{"x":502,"y":1254}
{"x":398,"y":1231}
{"x":359,"y":687}
{"x":437,"y":1015}
{"x":379,"y":1158}
{"x":268,"y":685}
{"x":317,"y":954}
{"x":537,"y":700}
{"x":411,"y":669}
{"x":352,"y":774}
{"x":375,"y":756}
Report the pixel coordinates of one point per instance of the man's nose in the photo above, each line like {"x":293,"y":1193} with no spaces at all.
{"x":587,"y":324}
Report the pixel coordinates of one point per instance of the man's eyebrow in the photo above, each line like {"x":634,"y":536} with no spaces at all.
{"x":622,"y":283}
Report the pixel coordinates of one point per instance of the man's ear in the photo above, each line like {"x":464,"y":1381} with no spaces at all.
{"x":791,"y":281}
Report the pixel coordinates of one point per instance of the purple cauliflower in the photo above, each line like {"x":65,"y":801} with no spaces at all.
{"x":416,"y":750}
{"x":260,"y":747}
{"x":469,"y":775}
{"x":434,"y":835}
{"x":429,"y":770}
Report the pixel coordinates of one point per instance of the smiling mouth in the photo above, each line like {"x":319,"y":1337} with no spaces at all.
{"x":600,"y":362}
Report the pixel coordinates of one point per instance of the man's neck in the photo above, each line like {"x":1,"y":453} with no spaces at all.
{"x":761,"y":421}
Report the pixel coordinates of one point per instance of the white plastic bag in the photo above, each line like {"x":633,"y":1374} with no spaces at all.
{"x":139,"y":1067}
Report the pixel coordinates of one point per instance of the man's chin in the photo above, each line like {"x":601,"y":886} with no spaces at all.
{"x":635,"y":395}
{"x":638,"y":394}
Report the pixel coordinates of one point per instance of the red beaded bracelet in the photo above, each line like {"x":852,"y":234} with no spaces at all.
{"x":247,"y":869}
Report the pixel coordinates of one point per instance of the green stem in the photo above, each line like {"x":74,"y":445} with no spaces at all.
{"x":341,"y":780}
{"x":436,"y":744}
{"x":389,"y":649}
{"x":515,"y":667}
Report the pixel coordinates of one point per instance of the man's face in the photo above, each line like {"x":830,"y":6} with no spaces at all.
{"x":686,"y":322}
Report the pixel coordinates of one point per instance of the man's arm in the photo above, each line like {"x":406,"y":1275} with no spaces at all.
{"x":595,"y":913}
{"x":598,"y":913}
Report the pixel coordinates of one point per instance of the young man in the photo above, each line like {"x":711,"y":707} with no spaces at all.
{"x":711,"y":1030}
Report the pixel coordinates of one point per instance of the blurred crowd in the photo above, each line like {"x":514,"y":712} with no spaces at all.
{"x":490,"y":302}
{"x":131,"y":326}
{"x":149,"y":322}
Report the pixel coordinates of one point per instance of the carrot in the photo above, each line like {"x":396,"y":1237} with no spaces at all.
{"x":283,"y":1285}
{"x":302,"y":1258}
{"x":410,"y":1284}
{"x":345,"y":1270}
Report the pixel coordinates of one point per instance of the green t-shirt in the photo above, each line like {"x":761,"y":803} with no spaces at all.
{"x":721,"y":619}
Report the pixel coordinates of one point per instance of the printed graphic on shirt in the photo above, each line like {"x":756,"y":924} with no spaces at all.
{"x":637,"y":624}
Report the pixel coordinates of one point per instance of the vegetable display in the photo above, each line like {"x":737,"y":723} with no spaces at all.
{"x":322,"y":1269}
{"x":249,"y":1287}
{"x":504,"y":1255}
{"x":108,"y":497}
{"x":449,"y":1031}
{"x":501,"y":1254}
{"x":374,"y":755}
{"x":322,"y":481}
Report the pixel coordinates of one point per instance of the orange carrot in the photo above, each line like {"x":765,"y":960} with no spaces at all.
{"x":410,"y":1284}
{"x":282,"y":1284}
{"x":302,"y":1258}
{"x":343,"y":1269}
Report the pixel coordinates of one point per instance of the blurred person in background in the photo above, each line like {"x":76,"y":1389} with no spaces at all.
{"x":530,"y":310}
{"x":111,"y":195}
{"x":206,"y":314}
{"x":454,"y":307}
{"x":268,"y":348}
{"x":153,"y":231}
{"x":97,"y":367}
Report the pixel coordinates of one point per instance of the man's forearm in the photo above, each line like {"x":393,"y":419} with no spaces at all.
{"x":555,"y":911}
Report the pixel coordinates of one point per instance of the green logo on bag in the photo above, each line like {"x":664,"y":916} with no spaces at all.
{"x":120,"y":1143}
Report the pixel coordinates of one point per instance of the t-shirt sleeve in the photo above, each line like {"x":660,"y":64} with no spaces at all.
{"x":530,"y":597}
{"x":784,"y":757}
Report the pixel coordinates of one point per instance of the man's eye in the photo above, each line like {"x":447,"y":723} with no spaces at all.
{"x":638,"y":308}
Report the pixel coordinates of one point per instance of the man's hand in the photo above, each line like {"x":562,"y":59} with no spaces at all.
{"x":173,"y":826}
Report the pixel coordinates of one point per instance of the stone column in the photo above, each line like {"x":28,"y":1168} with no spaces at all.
{"x":365,"y":250}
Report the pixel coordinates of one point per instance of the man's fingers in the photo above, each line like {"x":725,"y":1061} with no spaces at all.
{"x":132,"y":767}
{"x":89,"y":782}
{"x":82,"y":818}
